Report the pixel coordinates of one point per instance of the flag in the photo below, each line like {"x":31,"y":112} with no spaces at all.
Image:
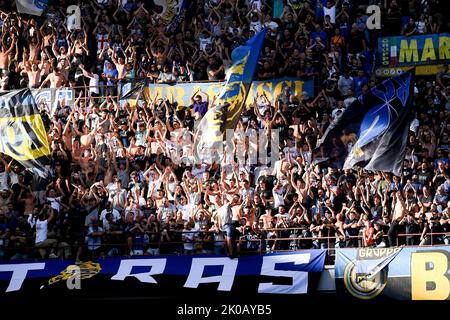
{"x":278,"y":9}
{"x":33,"y":7}
{"x":169,"y":9}
{"x":22,"y":133}
{"x":132,"y":91}
{"x":228,"y":106}
{"x":372,"y":132}
{"x":179,"y":17}
{"x":370,"y":267}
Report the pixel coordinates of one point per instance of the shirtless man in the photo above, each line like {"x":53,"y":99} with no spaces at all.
{"x":35,"y":48}
{"x":45,"y":65}
{"x":267,"y":219}
{"x":86,"y":137}
{"x":236,"y":209}
{"x":25,"y":64}
{"x":120,"y":64}
{"x":34,"y":76}
{"x":5,"y":53}
{"x":56,"y":79}
{"x":28,"y":200}
{"x":340,"y":232}
{"x":159,"y":53}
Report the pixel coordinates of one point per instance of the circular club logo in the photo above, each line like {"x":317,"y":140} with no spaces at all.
{"x":360,"y":286}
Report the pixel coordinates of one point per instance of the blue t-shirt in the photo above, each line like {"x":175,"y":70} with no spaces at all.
{"x":351,"y":231}
{"x":114,"y":74}
{"x":344,"y":29}
{"x":322,"y":35}
{"x":201,"y":108}
{"x":358,"y":83}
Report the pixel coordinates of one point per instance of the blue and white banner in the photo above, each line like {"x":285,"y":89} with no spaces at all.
{"x":407,"y":273}
{"x":280,"y":273}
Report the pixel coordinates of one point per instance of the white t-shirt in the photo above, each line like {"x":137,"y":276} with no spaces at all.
{"x":330,"y":12}
{"x":257,"y":4}
{"x":41,"y":230}
{"x":203,"y":42}
{"x":293,"y":151}
{"x":165,"y":211}
{"x":185,"y":210}
{"x":198,"y":172}
{"x":189,"y":235}
{"x":255,"y":26}
{"x":115,"y":214}
{"x":13,"y":177}
{"x":278,"y":199}
{"x":94,"y":84}
{"x":271,"y":25}
{"x":55,"y":203}
{"x":3,"y":180}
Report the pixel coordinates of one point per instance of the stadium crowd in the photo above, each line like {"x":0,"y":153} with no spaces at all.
{"x":114,"y":187}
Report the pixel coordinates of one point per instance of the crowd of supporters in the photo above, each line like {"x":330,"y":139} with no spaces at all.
{"x":114,"y":188}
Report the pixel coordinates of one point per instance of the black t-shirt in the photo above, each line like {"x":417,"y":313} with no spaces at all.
{"x":355,"y":42}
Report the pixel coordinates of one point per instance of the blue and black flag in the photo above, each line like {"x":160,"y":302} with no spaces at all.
{"x":372,"y":132}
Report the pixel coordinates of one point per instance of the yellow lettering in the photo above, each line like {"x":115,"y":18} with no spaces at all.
{"x":444,"y":48}
{"x":420,"y":276}
{"x":428,"y":50}
{"x":212,"y":90}
{"x":147,"y":94}
{"x":179,"y":96}
{"x":298,"y":88}
{"x":279,"y":87}
{"x":158,"y":90}
{"x":408,"y":53}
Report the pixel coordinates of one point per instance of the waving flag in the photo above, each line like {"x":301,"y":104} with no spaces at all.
{"x":372,"y":132}
{"x":178,"y":18}
{"x":22,"y":133}
{"x":33,"y":7}
{"x":132,"y":92}
{"x":228,"y":106}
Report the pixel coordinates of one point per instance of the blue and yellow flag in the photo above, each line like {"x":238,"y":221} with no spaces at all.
{"x":231,"y":99}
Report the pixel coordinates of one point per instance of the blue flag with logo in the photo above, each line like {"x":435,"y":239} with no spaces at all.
{"x":32,"y":7}
{"x":372,"y":132}
{"x":228,"y":106}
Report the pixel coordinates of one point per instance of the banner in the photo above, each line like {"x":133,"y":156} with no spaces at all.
{"x":425,"y":70}
{"x":22,"y":133}
{"x":372,"y":132}
{"x":280,"y":273}
{"x":182,"y":92}
{"x":33,"y":7}
{"x":408,"y":273}
{"x":51,"y":97}
{"x":425,"y":53}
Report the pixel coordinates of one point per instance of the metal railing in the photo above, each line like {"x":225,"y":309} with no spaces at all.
{"x":243,"y":245}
